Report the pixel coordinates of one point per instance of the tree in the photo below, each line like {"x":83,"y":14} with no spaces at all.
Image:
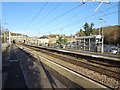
{"x":81,"y":33}
{"x":80,"y":30}
{"x":88,"y":28}
{"x":62,"y":40}
{"x":118,"y":40}
{"x":91,"y":28}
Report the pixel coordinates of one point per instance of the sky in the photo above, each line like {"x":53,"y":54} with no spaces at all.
{"x":43,"y":18}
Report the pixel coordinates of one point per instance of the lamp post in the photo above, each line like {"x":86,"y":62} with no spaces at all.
{"x":102,"y":37}
{"x":102,"y":33}
{"x":9,"y":35}
{"x":101,"y":20}
{"x":4,"y":33}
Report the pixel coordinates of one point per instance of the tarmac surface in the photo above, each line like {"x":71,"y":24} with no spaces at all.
{"x":15,"y":77}
{"x":23,"y":71}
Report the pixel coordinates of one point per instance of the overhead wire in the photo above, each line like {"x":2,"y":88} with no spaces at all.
{"x":40,"y":10}
{"x":78,"y":13}
{"x":89,"y":18}
{"x":62,"y":15}
{"x":93,"y":14}
{"x":49,"y":13}
{"x":92,"y":18}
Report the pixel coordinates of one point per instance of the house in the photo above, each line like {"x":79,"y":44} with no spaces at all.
{"x":43,"y":40}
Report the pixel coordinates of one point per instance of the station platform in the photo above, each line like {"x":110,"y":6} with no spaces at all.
{"x":94,"y":54}
{"x":22,"y":71}
{"x":12,"y":73}
{"x":99,"y":55}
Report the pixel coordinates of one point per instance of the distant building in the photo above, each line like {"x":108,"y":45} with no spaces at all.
{"x":43,"y":40}
{"x":32,"y":40}
{"x":18,"y":38}
{"x":53,"y":38}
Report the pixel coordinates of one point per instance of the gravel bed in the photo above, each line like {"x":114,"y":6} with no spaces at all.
{"x":111,"y":82}
{"x":116,"y":69}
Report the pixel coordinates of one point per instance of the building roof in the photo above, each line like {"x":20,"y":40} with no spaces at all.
{"x":43,"y":37}
{"x":89,"y":37}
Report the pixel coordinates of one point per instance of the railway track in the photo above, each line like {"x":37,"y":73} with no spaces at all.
{"x":96,"y":67}
{"x":98,"y":60}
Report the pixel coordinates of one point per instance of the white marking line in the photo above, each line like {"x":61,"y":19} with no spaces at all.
{"x":72,"y":72}
{"x":63,"y":50}
{"x":13,"y":60}
{"x":96,"y":56}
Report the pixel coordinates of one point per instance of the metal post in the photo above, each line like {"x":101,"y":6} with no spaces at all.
{"x":99,"y":29}
{"x":84,"y":44}
{"x":80,"y":43}
{"x":102,"y":27}
{"x":102,"y":48}
{"x":89,"y":44}
{"x":102,"y":39}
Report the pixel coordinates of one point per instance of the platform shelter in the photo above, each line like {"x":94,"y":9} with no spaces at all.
{"x":91,"y":43}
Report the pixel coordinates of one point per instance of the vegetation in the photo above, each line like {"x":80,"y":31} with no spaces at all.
{"x":62,"y":40}
{"x":53,"y":36}
{"x":81,"y":33}
{"x":88,"y":29}
{"x":111,"y":33}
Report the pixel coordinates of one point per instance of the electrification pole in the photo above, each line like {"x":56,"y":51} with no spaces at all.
{"x":102,"y":36}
